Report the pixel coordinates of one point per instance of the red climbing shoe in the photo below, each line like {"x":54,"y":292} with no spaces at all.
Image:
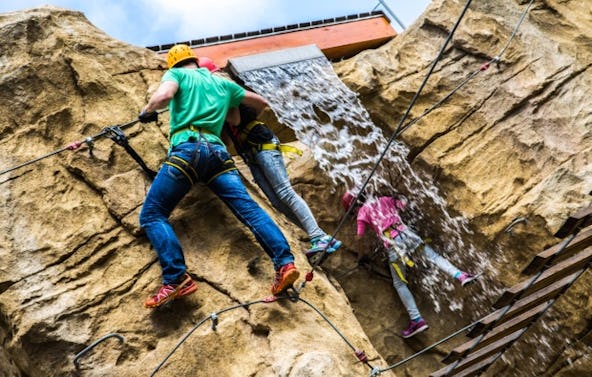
{"x":284,"y":278}
{"x":169,"y":292}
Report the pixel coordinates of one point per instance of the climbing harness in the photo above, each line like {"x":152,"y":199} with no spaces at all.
{"x":187,"y":169}
{"x":228,"y":166}
{"x":258,"y":147}
{"x":115,"y":133}
{"x":400,"y":247}
{"x":191,"y":174}
{"x":398,"y":270}
{"x":184,"y":167}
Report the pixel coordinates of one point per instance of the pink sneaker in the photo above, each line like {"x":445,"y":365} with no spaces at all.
{"x":466,"y":278}
{"x":415,"y":327}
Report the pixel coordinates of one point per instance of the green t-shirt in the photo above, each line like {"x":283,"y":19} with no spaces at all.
{"x":202,"y":100}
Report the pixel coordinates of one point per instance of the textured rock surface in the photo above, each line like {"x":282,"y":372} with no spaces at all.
{"x":514,"y":142}
{"x":75,"y":266}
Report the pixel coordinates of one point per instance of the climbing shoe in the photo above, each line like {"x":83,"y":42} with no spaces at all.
{"x":318,"y":245}
{"x":465,"y":278}
{"x":414,"y":328}
{"x":284,"y":278}
{"x":169,"y":292}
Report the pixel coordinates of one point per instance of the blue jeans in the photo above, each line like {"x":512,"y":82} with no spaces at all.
{"x":171,"y":185}
{"x":400,"y":286}
{"x":269,"y":172}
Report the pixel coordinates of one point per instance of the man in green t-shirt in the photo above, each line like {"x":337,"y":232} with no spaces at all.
{"x":198,"y":104}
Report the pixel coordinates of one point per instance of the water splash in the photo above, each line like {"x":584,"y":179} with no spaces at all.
{"x":328,"y":117}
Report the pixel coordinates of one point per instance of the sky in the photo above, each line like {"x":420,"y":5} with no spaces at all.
{"x":154,"y":22}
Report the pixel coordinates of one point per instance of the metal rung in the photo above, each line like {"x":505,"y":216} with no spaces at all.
{"x":497,"y":333}
{"x":521,"y":306}
{"x":553,"y":274}
{"x":575,"y":223}
{"x":475,"y":370}
{"x":582,"y":240}
{"x":483,"y":353}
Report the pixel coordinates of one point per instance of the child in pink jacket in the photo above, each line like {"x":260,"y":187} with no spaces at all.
{"x":381,"y":214}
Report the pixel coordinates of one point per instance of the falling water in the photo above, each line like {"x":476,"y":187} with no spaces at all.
{"x":328,"y":117}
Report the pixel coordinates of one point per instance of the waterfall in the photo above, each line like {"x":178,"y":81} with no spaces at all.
{"x":328,"y":117}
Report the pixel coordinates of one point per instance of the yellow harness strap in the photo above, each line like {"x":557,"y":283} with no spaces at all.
{"x":244,"y":132}
{"x":284,"y":148}
{"x":192,"y":128}
{"x":250,"y":126}
{"x":397,"y":269}
{"x":229,"y":165}
{"x":184,"y":167}
{"x":399,"y":272}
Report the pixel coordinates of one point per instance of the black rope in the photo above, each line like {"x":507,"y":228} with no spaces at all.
{"x":485,"y":66}
{"x":361,"y":355}
{"x":390,"y":141}
{"x":77,"y":144}
{"x":214,"y":317}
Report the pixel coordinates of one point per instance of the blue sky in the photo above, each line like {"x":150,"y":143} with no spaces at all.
{"x":154,"y":22}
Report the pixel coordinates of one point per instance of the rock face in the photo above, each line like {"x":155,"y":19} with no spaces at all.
{"x":76,"y":267}
{"x":514,"y":142}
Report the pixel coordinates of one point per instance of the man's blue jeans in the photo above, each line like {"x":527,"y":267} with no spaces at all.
{"x":269,"y":172}
{"x":171,"y":185}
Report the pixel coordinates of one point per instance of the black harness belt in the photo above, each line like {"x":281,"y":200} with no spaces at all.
{"x":184,"y":167}
{"x":187,"y":169}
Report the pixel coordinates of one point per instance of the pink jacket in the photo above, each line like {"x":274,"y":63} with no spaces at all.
{"x":381,"y":214}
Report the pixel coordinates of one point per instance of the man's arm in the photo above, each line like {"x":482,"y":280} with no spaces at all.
{"x":255,"y":101}
{"x":161,"y":98}
{"x":233,"y":116}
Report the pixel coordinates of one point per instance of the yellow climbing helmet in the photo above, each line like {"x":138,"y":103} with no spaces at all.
{"x":180,"y":53}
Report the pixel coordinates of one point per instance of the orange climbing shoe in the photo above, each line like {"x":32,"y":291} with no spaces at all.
{"x":284,"y":278}
{"x":169,"y":292}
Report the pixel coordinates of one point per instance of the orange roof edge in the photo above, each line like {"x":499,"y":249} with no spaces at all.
{"x":336,"y":40}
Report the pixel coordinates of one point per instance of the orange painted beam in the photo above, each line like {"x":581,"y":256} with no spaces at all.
{"x":336,"y":41}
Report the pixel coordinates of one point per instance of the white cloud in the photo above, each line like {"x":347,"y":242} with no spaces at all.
{"x":153,"y":22}
{"x":191,"y":19}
